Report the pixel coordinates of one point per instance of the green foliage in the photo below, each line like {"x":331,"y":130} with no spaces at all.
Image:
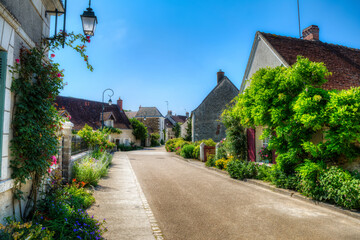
{"x":290,"y":102}
{"x":36,"y":82}
{"x":340,"y":187}
{"x":196,"y":152}
{"x":17,"y":230}
{"x":154,"y":140}
{"x":221,"y":151}
{"x":281,"y":179}
{"x":188,"y":136}
{"x":162,"y":142}
{"x":187,"y":151}
{"x":112,"y":130}
{"x":265,"y":154}
{"x":309,"y":173}
{"x":176,"y":130}
{"x":139,"y":129}
{"x":207,"y":142}
{"x":236,"y":141}
{"x":90,"y":169}
{"x":210,"y":162}
{"x":62,"y":212}
{"x":241,"y":169}
{"x":96,"y":139}
{"x":132,"y":147}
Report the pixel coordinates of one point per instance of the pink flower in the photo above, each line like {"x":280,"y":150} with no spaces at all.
{"x":17,"y":60}
{"x":52,"y":55}
{"x":59,"y":75}
{"x":266,"y":155}
{"x":54,"y":160}
{"x":69,"y":117}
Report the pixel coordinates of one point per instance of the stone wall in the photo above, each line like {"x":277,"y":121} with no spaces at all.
{"x":206,"y":118}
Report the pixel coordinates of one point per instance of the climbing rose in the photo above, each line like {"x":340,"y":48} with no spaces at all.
{"x":52,"y":55}
{"x":17,"y":60}
{"x":59,"y":75}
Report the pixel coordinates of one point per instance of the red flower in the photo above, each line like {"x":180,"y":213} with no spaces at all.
{"x":59,"y":75}
{"x":17,"y":60}
{"x":69,"y":117}
{"x":88,"y":37}
{"x":52,"y":55}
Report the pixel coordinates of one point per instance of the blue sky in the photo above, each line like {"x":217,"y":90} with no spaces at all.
{"x":152,"y":51}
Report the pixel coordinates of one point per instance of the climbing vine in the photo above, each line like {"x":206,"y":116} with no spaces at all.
{"x":295,"y":109}
{"x":37,"y":80}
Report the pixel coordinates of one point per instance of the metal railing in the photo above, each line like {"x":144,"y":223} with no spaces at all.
{"x":78,"y":145}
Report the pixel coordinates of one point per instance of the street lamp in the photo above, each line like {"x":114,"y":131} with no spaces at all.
{"x":103,"y":106}
{"x":89,"y":21}
{"x":88,"y":18}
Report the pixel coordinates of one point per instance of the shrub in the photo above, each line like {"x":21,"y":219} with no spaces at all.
{"x":309,"y":173}
{"x":162,"y":142}
{"x":221,"y":152}
{"x":222,"y":163}
{"x":340,"y":188}
{"x":62,"y":211}
{"x":196,"y":152}
{"x":28,"y":230}
{"x":210,"y":162}
{"x":263,"y":172}
{"x":207,"y":142}
{"x":187,"y":151}
{"x":90,"y":170}
{"x":281,"y":179}
{"x":241,"y":169}
{"x":154,"y":140}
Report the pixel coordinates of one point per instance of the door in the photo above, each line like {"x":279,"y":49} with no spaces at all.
{"x":251,"y":144}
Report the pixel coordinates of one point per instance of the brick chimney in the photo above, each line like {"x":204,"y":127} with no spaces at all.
{"x":170,"y":113}
{"x":120,"y":104}
{"x":220,"y":76}
{"x":311,"y":33}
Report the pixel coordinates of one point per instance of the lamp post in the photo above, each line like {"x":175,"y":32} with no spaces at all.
{"x":88,"y":18}
{"x":89,"y":21}
{"x":103,"y":106}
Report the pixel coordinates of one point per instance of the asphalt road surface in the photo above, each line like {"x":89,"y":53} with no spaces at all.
{"x":191,"y":202}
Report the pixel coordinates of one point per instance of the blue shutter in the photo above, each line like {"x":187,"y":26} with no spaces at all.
{"x":3,"y":61}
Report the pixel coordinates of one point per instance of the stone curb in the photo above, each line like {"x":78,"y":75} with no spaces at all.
{"x":158,"y":235}
{"x":286,"y":192}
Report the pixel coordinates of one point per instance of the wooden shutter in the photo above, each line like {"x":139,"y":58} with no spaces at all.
{"x":3,"y":64}
{"x":251,"y":144}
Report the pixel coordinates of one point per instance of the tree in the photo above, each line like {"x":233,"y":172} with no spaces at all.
{"x":188,"y":136}
{"x":139,"y":129}
{"x":176,"y":130}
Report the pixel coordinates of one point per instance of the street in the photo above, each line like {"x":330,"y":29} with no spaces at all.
{"x":192,"y":202}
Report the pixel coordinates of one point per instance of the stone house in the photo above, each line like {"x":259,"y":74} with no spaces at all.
{"x":206,"y":121}
{"x":88,"y":112}
{"x":153,"y":120}
{"x":170,"y":122}
{"x":23,"y":23}
{"x":270,"y":50}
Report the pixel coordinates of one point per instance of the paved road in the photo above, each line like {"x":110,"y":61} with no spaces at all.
{"x":190,"y":202}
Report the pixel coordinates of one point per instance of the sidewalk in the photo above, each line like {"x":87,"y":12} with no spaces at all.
{"x":120,"y":200}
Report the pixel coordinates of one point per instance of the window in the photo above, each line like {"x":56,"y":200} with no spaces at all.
{"x":109,"y":123}
{"x":3,"y":62}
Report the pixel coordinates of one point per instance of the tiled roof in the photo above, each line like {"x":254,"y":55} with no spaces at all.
{"x":130,"y":115}
{"x":148,"y":112}
{"x":168,"y":124}
{"x":343,"y":62}
{"x":89,"y":112}
{"x":179,"y":118}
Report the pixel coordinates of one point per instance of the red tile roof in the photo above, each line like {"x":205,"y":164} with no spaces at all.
{"x":89,"y":112}
{"x":343,"y":62}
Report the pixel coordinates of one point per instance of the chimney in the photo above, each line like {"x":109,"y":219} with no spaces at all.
{"x":120,"y":104}
{"x":187,"y":114}
{"x":311,"y":33}
{"x":220,"y":76}
{"x":169,"y":112}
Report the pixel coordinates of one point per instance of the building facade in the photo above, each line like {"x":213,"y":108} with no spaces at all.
{"x":206,"y":122}
{"x":23,"y":23}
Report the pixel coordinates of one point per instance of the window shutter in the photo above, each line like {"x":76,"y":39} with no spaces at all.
{"x":3,"y":64}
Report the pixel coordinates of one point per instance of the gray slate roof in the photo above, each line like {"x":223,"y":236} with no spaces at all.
{"x":148,"y":112}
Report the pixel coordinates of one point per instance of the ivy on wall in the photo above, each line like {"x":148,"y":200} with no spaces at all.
{"x":37,"y":80}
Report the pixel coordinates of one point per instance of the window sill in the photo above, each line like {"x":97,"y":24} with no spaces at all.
{"x":6,"y":185}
